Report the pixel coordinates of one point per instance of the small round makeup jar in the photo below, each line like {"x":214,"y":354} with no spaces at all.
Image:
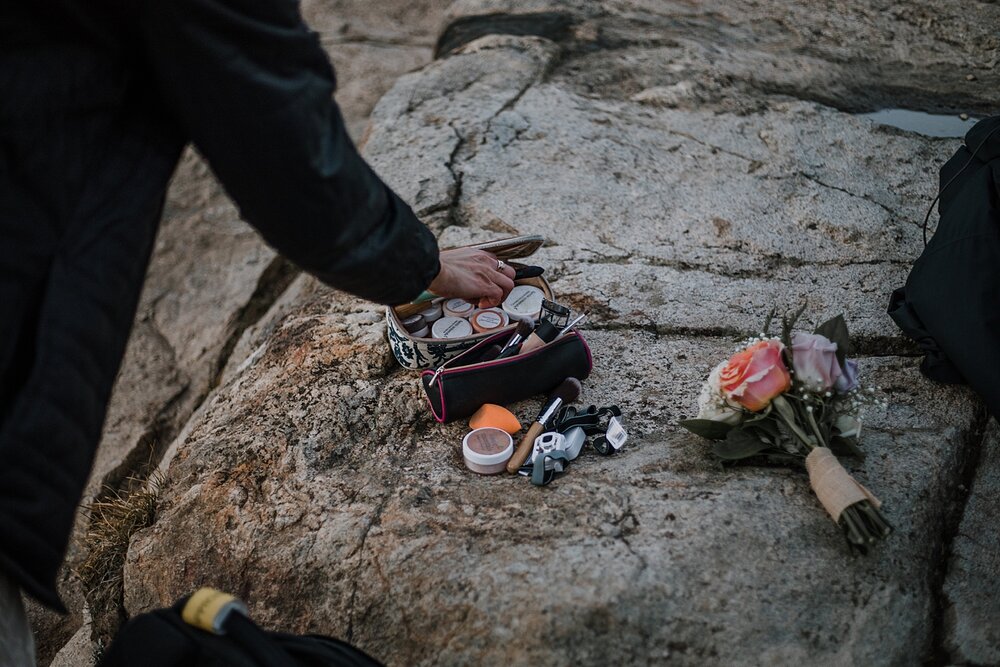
{"x":458,"y":308}
{"x":524,"y":302}
{"x":433,"y":313}
{"x":487,"y":450}
{"x":489,"y":320}
{"x":416,"y":326}
{"x":451,"y":327}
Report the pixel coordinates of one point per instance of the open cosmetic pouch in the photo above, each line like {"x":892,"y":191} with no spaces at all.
{"x":463,"y":384}
{"x":422,"y":353}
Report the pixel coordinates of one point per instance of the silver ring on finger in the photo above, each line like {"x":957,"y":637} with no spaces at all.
{"x":500,"y":265}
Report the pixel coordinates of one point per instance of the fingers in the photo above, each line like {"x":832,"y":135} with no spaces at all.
{"x":500,"y":267}
{"x":492,"y":296}
{"x":473,"y":274}
{"x":502,"y":278}
{"x":504,"y":283}
{"x":508,"y":271}
{"x":503,"y":273}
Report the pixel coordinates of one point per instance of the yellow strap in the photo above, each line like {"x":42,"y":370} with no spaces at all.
{"x":207,"y":608}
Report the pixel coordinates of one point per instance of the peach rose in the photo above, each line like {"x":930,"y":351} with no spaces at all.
{"x":712,"y":403}
{"x":755,"y":376}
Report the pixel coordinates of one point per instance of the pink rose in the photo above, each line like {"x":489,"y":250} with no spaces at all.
{"x":814,"y":359}
{"x":754,"y":377}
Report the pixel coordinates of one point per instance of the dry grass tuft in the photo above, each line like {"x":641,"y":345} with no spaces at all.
{"x":112,"y":520}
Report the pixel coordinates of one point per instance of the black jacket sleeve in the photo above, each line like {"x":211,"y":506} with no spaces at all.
{"x":252,"y":87}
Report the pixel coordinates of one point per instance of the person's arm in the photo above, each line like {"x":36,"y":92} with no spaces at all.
{"x":252,"y":87}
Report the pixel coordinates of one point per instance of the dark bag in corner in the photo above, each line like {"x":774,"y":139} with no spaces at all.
{"x":212,"y":629}
{"x":951,"y":302}
{"x":462,"y":385}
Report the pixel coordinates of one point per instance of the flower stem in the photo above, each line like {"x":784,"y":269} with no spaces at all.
{"x":815,"y":428}
{"x":864,"y":525}
{"x":787,"y":414}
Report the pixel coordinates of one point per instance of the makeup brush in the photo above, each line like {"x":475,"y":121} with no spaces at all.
{"x":565,"y":393}
{"x":415,"y":307}
{"x":544,"y":333}
{"x":572,"y":324}
{"x":522,"y":331}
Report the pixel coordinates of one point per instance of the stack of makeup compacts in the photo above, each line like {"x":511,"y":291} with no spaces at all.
{"x":476,"y":361}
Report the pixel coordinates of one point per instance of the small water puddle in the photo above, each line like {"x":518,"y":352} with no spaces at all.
{"x":928,"y":124}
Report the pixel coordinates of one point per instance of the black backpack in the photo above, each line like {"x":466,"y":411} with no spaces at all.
{"x":951,"y":302}
{"x":212,"y":629}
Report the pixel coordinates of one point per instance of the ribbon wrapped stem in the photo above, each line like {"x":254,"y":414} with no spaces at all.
{"x":850,"y":504}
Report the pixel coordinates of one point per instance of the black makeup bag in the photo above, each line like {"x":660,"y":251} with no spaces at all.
{"x":463,"y":384}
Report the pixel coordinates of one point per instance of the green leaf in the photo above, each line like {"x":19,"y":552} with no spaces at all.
{"x":766,"y":426}
{"x":836,"y":330}
{"x":707,"y":428}
{"x":738,"y":445}
{"x":758,"y":416}
{"x":846,"y":447}
{"x":788,"y":440}
{"x":780,"y":457}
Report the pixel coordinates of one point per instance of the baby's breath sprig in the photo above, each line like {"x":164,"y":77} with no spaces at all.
{"x":859,"y":399}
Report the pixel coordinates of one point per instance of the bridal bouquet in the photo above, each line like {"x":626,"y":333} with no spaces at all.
{"x":796,"y":398}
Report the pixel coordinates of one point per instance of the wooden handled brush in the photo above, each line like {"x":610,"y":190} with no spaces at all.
{"x":565,"y":393}
{"x":415,"y":308}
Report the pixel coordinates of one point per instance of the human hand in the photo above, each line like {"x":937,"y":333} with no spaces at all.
{"x":473,"y":275}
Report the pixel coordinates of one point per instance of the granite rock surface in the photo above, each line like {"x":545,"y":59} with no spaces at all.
{"x":692,"y":166}
{"x":973,"y":581}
